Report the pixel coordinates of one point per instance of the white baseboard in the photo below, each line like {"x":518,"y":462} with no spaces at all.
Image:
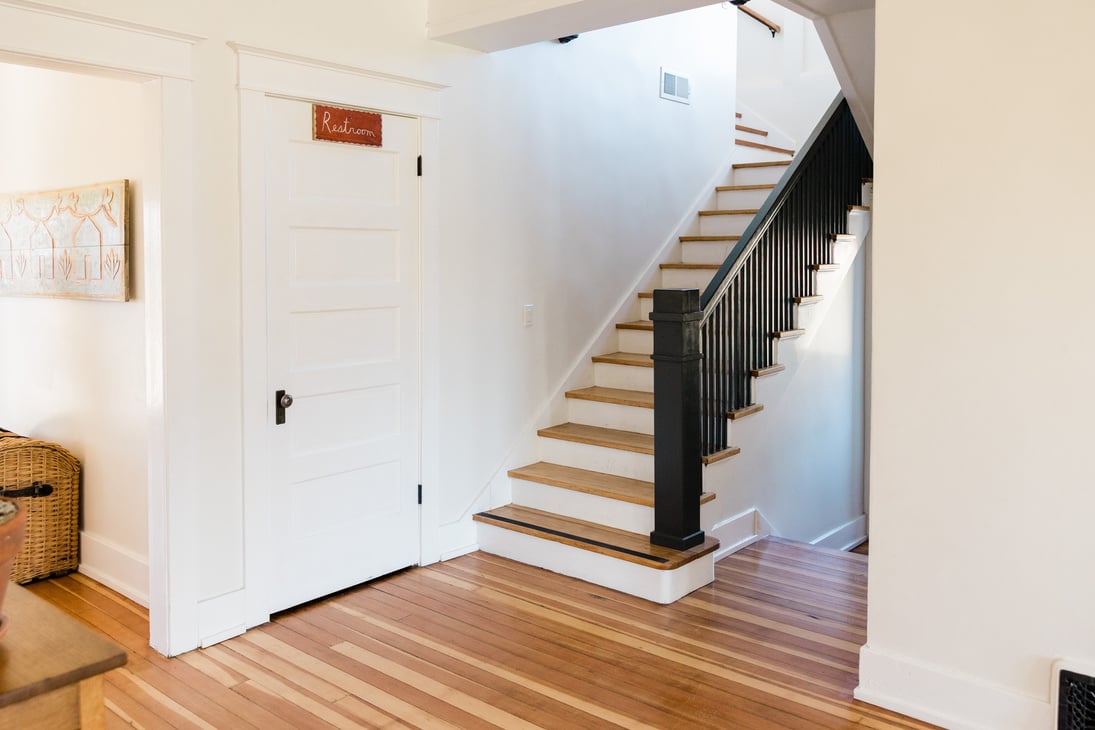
{"x":739,"y":531}
{"x":945,"y":698}
{"x":844,"y":537}
{"x":116,"y":567}
{"x":458,"y":538}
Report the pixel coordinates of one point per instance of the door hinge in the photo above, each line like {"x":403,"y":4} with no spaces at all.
{"x":420,"y":165}
{"x":420,"y":494}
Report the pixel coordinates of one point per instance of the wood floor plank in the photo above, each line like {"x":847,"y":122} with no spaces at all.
{"x":484,"y":642}
{"x":295,"y":703}
{"x":639,"y":652}
{"x":392,"y":696}
{"x":478,"y":677}
{"x":698,"y":648}
{"x":708,"y":631}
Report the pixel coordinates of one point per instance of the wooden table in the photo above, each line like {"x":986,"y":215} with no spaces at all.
{"x":51,"y":667}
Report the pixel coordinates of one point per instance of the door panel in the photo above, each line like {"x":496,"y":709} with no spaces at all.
{"x":343,"y":328}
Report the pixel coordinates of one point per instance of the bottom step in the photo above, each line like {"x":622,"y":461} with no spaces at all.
{"x":623,"y":561}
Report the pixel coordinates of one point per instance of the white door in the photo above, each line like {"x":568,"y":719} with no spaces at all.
{"x":343,"y":333}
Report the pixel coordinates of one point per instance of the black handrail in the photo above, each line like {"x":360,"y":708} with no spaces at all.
{"x":751,"y":300}
{"x":707,"y":351}
{"x":773,"y":202}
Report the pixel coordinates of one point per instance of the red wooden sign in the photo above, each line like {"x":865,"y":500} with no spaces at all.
{"x":334,"y":124}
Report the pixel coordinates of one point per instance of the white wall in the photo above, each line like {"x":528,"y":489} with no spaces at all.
{"x":786,"y":80}
{"x":981,"y":468}
{"x":73,"y":371}
{"x":562,"y":174}
{"x":585,"y":173}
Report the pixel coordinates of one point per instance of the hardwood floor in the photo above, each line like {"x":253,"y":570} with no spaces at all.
{"x":482,"y":642}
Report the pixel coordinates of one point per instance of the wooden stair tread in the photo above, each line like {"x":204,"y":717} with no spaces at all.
{"x":770,"y":370}
{"x":762,"y":146}
{"x":841,"y":236}
{"x":746,"y":411}
{"x":704,"y":267}
{"x":629,"y":546}
{"x":813,"y":299}
{"x":735,"y":188}
{"x":609,"y":486}
{"x":737,"y":115}
{"x":721,"y":455}
{"x":611,"y":438}
{"x":788,"y":334}
{"x":633,"y":359}
{"x":751,"y":130}
{"x":640,"y":324}
{"x":825,"y":267}
{"x":705,"y":239}
{"x":859,"y":207}
{"x":747,"y":165}
{"x":646,"y":295}
{"x":743,"y":211}
{"x":619,"y":396}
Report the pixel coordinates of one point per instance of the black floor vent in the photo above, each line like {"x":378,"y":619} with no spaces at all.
{"x":1076,"y":702}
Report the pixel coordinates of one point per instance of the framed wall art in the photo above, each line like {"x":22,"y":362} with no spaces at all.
{"x":70,"y":243}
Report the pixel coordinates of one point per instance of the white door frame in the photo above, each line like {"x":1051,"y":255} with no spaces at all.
{"x":265,"y":73}
{"x":36,"y":35}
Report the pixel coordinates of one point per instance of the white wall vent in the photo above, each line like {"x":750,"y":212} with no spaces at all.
{"x":675,"y":87}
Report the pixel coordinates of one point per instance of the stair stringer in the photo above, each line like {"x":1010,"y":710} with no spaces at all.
{"x":459,"y":536}
{"x":784,"y":474}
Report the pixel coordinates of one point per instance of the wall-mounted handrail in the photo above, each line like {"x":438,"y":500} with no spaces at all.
{"x":770,"y":25}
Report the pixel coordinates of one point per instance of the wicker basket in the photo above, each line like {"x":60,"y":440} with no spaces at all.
{"x":27,"y":466}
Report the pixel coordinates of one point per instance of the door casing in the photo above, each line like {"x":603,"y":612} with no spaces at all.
{"x":264,"y":73}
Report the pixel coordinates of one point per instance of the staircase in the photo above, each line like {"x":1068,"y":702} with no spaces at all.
{"x":586,"y":509}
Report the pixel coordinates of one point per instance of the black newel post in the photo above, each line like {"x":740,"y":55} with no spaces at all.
{"x":678,"y":470}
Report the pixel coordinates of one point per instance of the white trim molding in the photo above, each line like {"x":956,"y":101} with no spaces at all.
{"x":944,"y":697}
{"x":264,"y":73}
{"x":40,"y":35}
{"x":300,"y":77}
{"x":58,"y":36}
{"x":114,"y":566}
{"x":844,"y":537}
{"x":738,"y":532}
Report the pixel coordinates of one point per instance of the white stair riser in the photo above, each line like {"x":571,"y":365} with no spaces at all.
{"x":582,"y":506}
{"x":597,"y":458}
{"x":752,"y":154}
{"x":611,"y":415}
{"x":646,"y":306}
{"x":706,"y":252}
{"x":724,"y":225}
{"x":627,"y":377}
{"x":686,"y":278}
{"x":660,"y":586}
{"x":737,"y":199}
{"x":636,"y":341}
{"x":780,"y":349}
{"x":805,"y":316}
{"x":758,"y":175}
{"x":594,"y":508}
